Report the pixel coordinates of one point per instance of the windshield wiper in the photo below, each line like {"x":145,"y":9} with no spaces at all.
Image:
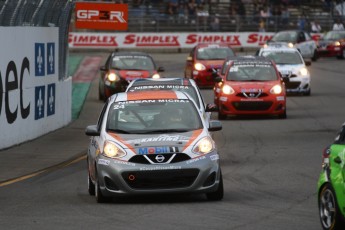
{"x":167,"y":131}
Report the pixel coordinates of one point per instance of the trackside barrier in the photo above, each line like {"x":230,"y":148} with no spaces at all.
{"x":33,"y":99}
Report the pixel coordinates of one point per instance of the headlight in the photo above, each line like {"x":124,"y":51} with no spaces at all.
{"x":303,"y":71}
{"x":337,"y":43}
{"x":112,"y":77}
{"x":227,"y":89}
{"x":204,"y":146}
{"x":112,"y":150}
{"x":290,"y":44}
{"x":265,"y":46}
{"x":156,"y":76}
{"x":277,"y":89}
{"x":199,"y":67}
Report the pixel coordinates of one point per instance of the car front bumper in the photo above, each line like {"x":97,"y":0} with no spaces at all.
{"x":124,"y":178}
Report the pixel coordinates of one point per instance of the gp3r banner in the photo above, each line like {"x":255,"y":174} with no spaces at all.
{"x":101,"y":16}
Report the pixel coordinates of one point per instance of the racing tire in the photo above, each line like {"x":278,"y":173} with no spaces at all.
{"x":329,"y":213}
{"x":98,"y":193}
{"x":315,"y":56}
{"x":307,"y":93}
{"x":219,"y":193}
{"x":283,"y":115}
{"x":90,"y":186}
{"x":342,"y":55}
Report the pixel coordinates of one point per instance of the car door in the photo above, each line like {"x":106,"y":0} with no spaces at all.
{"x":302,"y":45}
{"x":337,"y":163}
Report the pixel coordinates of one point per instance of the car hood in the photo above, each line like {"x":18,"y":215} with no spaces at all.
{"x":217,"y":64}
{"x":135,"y":74}
{"x":252,"y":87}
{"x":157,"y":143}
{"x":289,"y":69}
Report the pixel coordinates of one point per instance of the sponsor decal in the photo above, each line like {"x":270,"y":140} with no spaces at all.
{"x":214,"y":157}
{"x":51,"y":99}
{"x":123,"y":163}
{"x":223,"y":99}
{"x":50,"y":58}
{"x":39,"y":59}
{"x":233,"y":40}
{"x":171,"y":167}
{"x":103,"y":162}
{"x":89,"y":40}
{"x":39,"y":102}
{"x":152,"y":40}
{"x":258,"y":39}
{"x":195,"y":160}
{"x":157,"y":150}
{"x":101,"y":16}
{"x":160,"y":138}
{"x":280,"y":98}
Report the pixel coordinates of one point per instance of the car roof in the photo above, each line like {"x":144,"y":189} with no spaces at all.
{"x":148,"y":95}
{"x":201,"y":45}
{"x":129,"y":53}
{"x":162,"y":81}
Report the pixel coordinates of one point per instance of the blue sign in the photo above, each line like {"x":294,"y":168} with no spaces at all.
{"x":50,"y":58}
{"x":39,"y":102}
{"x":39,"y":59}
{"x":51,"y":100}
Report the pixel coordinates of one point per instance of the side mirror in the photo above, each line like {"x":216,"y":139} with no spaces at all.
{"x":214,"y":73}
{"x":160,"y":69}
{"x":307,"y":63}
{"x":218,"y":79}
{"x":285,"y":79}
{"x":103,"y":68}
{"x":92,"y":130}
{"x":211,"y":107}
{"x":215,"y":125}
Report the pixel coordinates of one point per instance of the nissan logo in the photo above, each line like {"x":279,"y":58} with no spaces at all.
{"x":160,"y":158}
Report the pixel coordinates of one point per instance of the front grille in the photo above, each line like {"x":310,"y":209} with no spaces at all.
{"x":251,"y":94}
{"x":252,"y":105}
{"x":141,"y":159}
{"x":292,"y":84}
{"x":161,"y":179}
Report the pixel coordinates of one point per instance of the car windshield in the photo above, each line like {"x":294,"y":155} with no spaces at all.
{"x":285,"y":37}
{"x":153,"y":116}
{"x":214,"y":53}
{"x":182,"y":88}
{"x":132,"y":63}
{"x":334,"y":35}
{"x":252,"y":72}
{"x":283,"y":58}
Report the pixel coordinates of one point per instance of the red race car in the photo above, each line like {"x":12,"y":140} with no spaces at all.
{"x":123,"y":67}
{"x":203,"y":60}
{"x":332,"y":44}
{"x":250,"y":86}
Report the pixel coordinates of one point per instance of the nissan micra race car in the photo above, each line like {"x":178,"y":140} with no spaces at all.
{"x":145,"y":143}
{"x":204,"y":59}
{"x":291,"y":65}
{"x":176,"y":84}
{"x":331,"y":185}
{"x":250,"y":86}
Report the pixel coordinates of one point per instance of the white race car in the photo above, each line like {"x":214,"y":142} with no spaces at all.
{"x":291,"y":65}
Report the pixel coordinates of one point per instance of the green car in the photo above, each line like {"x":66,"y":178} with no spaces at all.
{"x":331,"y":184}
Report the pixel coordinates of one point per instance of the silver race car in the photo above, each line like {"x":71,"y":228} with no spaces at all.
{"x":145,"y":143}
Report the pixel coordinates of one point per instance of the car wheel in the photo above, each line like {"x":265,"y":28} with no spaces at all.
{"x":219,"y":193}
{"x":315,"y":56}
{"x":342,"y":55}
{"x":90,"y":186}
{"x":307,"y":93}
{"x":98,"y":193}
{"x":283,"y":115}
{"x":330,"y":215}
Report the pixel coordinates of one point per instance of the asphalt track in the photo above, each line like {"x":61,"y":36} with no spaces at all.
{"x":270,"y":169}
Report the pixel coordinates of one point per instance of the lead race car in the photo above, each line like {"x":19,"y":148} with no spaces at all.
{"x":142,"y":144}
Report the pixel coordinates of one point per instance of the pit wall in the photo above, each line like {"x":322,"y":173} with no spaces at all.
{"x":33,"y":101}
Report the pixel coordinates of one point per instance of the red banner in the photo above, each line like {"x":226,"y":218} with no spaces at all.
{"x":101,"y":16}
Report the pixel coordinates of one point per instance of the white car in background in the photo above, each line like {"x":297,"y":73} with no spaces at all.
{"x":290,"y":64}
{"x":298,"y":39}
